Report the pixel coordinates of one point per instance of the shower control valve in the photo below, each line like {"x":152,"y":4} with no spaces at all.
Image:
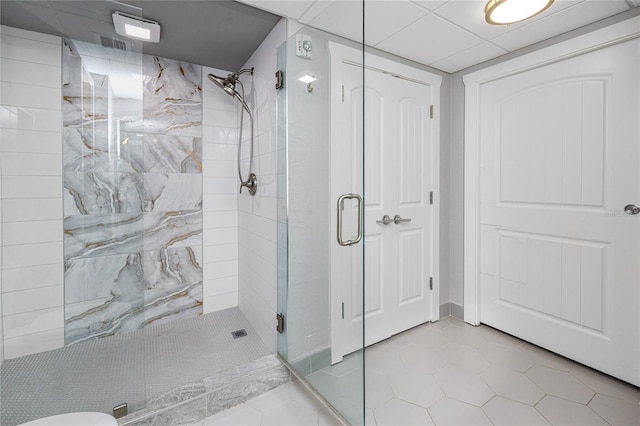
{"x":251,"y":184}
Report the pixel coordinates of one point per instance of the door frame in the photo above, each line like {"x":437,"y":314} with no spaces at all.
{"x":340,"y":54}
{"x":595,"y":40}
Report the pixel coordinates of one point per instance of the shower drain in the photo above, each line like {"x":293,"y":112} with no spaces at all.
{"x":239,"y":333}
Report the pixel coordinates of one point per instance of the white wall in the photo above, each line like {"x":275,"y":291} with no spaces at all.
{"x":456,"y":164}
{"x":220,"y":197}
{"x":31,"y":149}
{"x":257,"y":216}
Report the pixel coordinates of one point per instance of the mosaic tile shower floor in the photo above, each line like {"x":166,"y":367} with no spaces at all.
{"x":132,"y":368}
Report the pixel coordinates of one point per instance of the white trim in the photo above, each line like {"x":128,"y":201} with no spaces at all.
{"x":339,"y":54}
{"x":601,"y":38}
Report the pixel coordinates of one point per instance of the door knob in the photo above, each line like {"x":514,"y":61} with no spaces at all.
{"x":397,"y":219}
{"x":631,"y":209}
{"x":385,"y":220}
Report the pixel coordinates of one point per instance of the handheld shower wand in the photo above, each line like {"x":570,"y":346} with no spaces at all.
{"x":228,"y":84}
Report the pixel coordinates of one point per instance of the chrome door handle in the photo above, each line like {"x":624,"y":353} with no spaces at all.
{"x":631,"y":209}
{"x":397,"y":219}
{"x":385,"y":220}
{"x":360,"y":217}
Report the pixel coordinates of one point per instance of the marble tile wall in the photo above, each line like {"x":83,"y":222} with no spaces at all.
{"x":132,"y":191}
{"x":31,"y":193}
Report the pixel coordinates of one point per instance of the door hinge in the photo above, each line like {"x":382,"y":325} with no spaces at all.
{"x":431,"y":197}
{"x":342,"y":310}
{"x":431,"y":111}
{"x":279,"y":79}
{"x":430,"y":283}
{"x":343,"y":93}
{"x":280,"y":326}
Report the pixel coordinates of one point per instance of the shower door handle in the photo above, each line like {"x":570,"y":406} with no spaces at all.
{"x":360,"y":219}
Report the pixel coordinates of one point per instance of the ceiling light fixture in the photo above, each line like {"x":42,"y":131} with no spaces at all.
{"x":136,"y":27}
{"x":505,"y":12}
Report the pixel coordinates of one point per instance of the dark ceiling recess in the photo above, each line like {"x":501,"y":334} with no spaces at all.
{"x":219,"y":33}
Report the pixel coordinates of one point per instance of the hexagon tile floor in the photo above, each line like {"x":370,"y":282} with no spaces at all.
{"x":450,"y":373}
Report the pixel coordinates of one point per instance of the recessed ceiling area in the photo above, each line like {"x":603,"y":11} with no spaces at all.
{"x":221,"y":34}
{"x":449,"y":35}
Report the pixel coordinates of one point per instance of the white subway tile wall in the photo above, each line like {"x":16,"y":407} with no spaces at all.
{"x":257,"y":216}
{"x":31,"y":192}
{"x":220,"y":196}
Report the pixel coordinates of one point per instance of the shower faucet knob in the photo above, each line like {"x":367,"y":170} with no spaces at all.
{"x":251,"y":184}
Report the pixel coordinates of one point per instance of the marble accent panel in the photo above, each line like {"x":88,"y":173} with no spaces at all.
{"x":71,"y":84}
{"x":171,"y":192}
{"x":106,"y":317}
{"x":132,"y":155}
{"x":172,"y":97}
{"x":110,"y":294}
{"x":172,"y":154}
{"x":173,"y":284}
{"x":102,"y":193}
{"x":91,"y":236}
{"x":89,"y":149}
{"x":102,"y":277}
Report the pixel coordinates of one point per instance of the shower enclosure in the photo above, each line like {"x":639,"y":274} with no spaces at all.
{"x":136,"y":281}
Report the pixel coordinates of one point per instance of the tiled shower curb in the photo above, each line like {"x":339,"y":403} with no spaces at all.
{"x":195,"y":401}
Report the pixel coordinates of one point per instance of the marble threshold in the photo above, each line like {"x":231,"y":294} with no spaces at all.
{"x":202,"y":398}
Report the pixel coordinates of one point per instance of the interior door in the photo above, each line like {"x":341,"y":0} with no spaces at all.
{"x":559,"y":153}
{"x":398,"y":219}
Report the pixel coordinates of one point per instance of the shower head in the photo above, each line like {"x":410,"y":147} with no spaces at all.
{"x":228,"y":84}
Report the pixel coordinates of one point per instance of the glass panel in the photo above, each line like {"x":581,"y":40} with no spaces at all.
{"x":78,"y":209}
{"x":109,"y":157}
{"x":320,"y":282}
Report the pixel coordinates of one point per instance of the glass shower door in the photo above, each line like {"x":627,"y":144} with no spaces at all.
{"x":320,"y":218}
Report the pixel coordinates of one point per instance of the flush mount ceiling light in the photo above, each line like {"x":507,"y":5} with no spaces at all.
{"x":136,"y":27}
{"x":505,"y":12}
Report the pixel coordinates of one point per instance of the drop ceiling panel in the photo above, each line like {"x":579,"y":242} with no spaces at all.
{"x":429,"y":40}
{"x":466,"y":58}
{"x":566,"y":20}
{"x":343,"y":18}
{"x":378,"y":15}
{"x":316,"y":9}
{"x":430,"y":4}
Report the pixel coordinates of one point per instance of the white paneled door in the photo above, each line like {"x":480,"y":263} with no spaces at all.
{"x":398,"y":218}
{"x":558,"y":162}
